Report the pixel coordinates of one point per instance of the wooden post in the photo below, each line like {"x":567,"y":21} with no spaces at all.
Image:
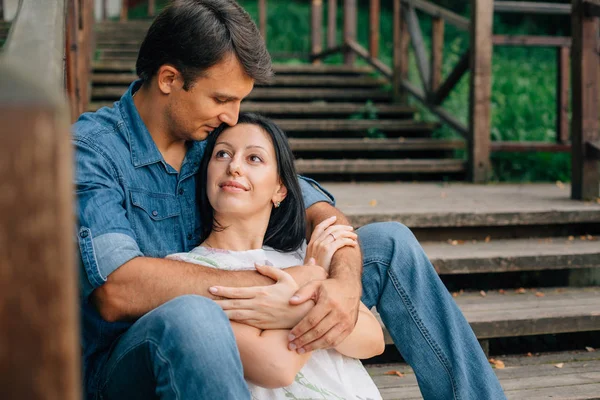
{"x":1,"y":10}
{"x":72,"y":59}
{"x":584,"y":123}
{"x":331,"y":23}
{"x":84,"y":56}
{"x":437,"y":53}
{"x":151,"y":8}
{"x":349,"y":29}
{"x":400,"y":52}
{"x":104,"y":10}
{"x":317,"y":28}
{"x":262,"y":18}
{"x":562,"y":94}
{"x":374,"y":18}
{"x":480,"y":90}
{"x":124,"y":10}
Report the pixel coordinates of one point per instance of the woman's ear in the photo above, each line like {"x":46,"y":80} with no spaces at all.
{"x":280,"y":194}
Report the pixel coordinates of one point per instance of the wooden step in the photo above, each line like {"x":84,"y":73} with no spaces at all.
{"x":354,"y":125}
{"x":278,"y":80}
{"x":458,"y":205}
{"x":366,"y":144}
{"x":311,"y":109}
{"x":364,"y":166}
{"x":277,"y":94}
{"x":532,"y":377}
{"x":504,"y":255}
{"x":558,"y":310}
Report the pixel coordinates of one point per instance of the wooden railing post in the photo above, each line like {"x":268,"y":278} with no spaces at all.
{"x":349,"y":29}
{"x":151,"y":8}
{"x":374,"y":18}
{"x":262,"y":18}
{"x":317,"y":28}
{"x":331,"y":23}
{"x":124,"y":10}
{"x":400,"y":53}
{"x":480,"y":90}
{"x":1,"y":10}
{"x":584,"y":123}
{"x":84,"y":62}
{"x":563,"y":55}
{"x":39,"y":340}
{"x":437,"y":53}
{"x":104,"y":10}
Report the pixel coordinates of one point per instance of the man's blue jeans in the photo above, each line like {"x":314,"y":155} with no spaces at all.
{"x":422,"y":318}
{"x":185,"y":349}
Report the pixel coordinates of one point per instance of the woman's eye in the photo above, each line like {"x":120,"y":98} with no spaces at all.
{"x":221,"y":154}
{"x":255,"y":158}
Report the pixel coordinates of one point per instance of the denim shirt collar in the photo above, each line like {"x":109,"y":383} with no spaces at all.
{"x":142,"y":146}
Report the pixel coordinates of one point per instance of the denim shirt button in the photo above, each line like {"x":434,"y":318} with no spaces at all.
{"x":189,"y":237}
{"x":84,"y":234}
{"x":155,"y":213}
{"x":181,"y":191}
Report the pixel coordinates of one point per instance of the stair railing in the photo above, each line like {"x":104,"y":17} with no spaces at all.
{"x":39,"y":339}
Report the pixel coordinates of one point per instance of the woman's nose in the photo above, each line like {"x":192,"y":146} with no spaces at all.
{"x":234,"y":167}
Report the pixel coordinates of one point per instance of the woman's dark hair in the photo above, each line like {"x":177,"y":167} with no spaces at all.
{"x":194,"y":35}
{"x":287,"y":228}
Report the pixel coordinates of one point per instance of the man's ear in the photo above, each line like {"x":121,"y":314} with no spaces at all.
{"x":168,"y":78}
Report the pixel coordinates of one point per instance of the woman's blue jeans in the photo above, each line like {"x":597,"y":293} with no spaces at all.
{"x":185,"y":349}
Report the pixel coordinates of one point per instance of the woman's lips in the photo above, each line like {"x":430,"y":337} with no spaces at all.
{"x":233,"y":186}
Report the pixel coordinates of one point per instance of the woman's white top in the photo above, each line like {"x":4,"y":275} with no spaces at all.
{"x":327,"y":374}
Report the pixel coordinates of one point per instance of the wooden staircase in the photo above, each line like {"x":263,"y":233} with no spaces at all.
{"x":341,"y":120}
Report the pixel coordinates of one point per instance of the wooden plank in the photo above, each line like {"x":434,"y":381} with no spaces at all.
{"x":504,"y":255}
{"x":124,"y":10}
{"x":416,"y":37}
{"x":374,"y":20}
{"x":480,"y":90}
{"x":584,"y":120}
{"x":563,"y":55}
{"x":434,"y":10}
{"x":437,"y":53}
{"x":331,"y":23}
{"x":1,"y":10}
{"x":591,"y":8}
{"x":531,"y":41}
{"x":262,"y":18}
{"x":362,"y":166}
{"x":316,"y":28}
{"x":592,"y":150}
{"x":84,"y":39}
{"x":532,"y":7}
{"x":349,"y":28}
{"x":353,"y":125}
{"x":367,"y":144}
{"x":374,"y":62}
{"x":520,"y":147}
{"x":104,"y":8}
{"x":400,"y":53}
{"x":452,"y":80}
{"x":151,"y":8}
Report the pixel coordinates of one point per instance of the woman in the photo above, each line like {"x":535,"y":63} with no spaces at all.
{"x":253,"y":213}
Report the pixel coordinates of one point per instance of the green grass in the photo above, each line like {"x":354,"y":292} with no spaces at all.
{"x":523,"y":82}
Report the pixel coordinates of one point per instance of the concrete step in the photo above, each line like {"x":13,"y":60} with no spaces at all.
{"x":531,"y":312}
{"x":316,"y":109}
{"x":532,"y":377}
{"x":277,"y":94}
{"x":358,"y":81}
{"x":366,"y":144}
{"x":366,"y":166}
{"x":505,"y":255}
{"x":350,"y":126}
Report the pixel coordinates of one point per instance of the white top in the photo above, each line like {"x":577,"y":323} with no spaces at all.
{"x":327,"y":374}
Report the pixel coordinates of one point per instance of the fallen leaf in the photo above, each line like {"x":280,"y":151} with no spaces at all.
{"x":482,"y":293}
{"x":454,"y":242}
{"x":571,"y":238}
{"x":454,"y":294}
{"x":583,"y":237}
{"x":443,"y":195}
{"x":598,"y":200}
{"x":559,"y":365}
{"x":373,"y":203}
{"x":497,"y":363}
{"x":589,"y":237}
{"x":590,"y":349}
{"x":539,"y":294}
{"x":529,"y":355}
{"x":502,"y":291}
{"x":560,"y":185}
{"x":488,"y":239}
{"x":520,"y":291}
{"x":394,"y":372}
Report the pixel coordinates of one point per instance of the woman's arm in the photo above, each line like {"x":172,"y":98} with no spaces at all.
{"x":366,"y":340}
{"x":266,"y":359}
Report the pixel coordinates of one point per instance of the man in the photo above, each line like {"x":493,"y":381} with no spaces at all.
{"x":150,"y":328}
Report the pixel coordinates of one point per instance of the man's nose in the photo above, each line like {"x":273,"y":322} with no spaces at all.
{"x":230,"y":116}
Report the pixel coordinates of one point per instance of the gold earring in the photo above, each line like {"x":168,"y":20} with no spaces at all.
{"x":277,"y":204}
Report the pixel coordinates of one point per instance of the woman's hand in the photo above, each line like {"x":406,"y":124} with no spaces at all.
{"x":328,"y":238}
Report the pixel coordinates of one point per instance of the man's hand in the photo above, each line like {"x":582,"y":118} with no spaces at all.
{"x":331,"y":319}
{"x":268,"y":307}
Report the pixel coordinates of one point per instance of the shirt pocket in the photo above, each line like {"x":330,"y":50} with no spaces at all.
{"x":155,"y":218}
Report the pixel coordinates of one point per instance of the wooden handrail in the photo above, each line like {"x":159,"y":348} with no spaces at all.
{"x":532,"y":7}
{"x":434,"y":10}
{"x":38,"y":280}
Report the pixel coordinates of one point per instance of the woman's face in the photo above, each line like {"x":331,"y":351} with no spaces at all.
{"x":242,"y":177}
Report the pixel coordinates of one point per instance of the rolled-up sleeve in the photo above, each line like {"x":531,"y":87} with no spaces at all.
{"x":313,"y":192}
{"x":105,"y":236}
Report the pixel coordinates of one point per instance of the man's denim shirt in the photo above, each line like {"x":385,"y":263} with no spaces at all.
{"x":131,"y":203}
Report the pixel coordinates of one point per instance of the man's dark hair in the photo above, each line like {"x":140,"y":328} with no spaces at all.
{"x":194,"y":35}
{"x":287,"y":228}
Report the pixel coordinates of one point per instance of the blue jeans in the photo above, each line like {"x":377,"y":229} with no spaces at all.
{"x":422,"y":318}
{"x":184,"y":349}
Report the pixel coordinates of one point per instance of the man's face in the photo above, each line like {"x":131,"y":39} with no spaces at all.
{"x":214,"y":98}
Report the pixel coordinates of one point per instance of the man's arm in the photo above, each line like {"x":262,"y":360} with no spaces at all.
{"x":144,"y":283}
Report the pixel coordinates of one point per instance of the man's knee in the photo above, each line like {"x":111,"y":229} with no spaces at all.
{"x":387,"y":234}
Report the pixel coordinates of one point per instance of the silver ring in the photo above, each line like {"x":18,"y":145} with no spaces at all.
{"x":332,"y":236}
